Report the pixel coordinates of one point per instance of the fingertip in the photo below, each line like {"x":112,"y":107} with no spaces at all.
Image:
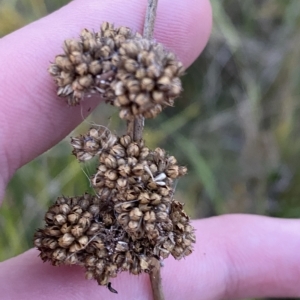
{"x":27,"y":277}
{"x":184,"y":27}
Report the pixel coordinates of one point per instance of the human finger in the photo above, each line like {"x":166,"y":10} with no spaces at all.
{"x":235,"y":257}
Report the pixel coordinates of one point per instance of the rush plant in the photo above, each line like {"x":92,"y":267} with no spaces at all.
{"x":133,"y":221}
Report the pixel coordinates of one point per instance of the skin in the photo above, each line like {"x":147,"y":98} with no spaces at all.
{"x":236,"y":256}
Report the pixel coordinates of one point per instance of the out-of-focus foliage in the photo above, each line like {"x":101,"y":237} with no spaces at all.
{"x":236,"y":126}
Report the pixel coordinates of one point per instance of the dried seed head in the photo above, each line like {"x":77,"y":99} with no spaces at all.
{"x":87,"y":146}
{"x":147,"y":76}
{"x":133,"y":216}
{"x":137,"y":75}
{"x":89,"y":63}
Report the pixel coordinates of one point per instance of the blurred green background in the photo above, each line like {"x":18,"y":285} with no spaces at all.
{"x":236,"y":126}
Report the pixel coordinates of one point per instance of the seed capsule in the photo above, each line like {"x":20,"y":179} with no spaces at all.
{"x":66,"y":240}
{"x":135,"y":214}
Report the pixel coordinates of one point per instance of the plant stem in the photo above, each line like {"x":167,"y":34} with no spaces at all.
{"x":155,"y":276}
{"x":155,"y":279}
{"x":136,"y":126}
{"x":135,"y":130}
{"x":150,"y":19}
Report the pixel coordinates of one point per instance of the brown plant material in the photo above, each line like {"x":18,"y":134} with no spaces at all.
{"x":156,"y":282}
{"x":130,"y":222}
{"x":88,"y":64}
{"x":133,"y":221}
{"x":107,"y":237}
{"x":147,"y":79}
{"x":96,"y":140}
{"x":135,"y":74}
{"x":140,"y":184}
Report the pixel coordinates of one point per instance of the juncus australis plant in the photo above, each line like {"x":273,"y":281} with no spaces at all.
{"x":133,"y":221}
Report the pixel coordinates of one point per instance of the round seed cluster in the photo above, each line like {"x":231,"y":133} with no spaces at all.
{"x":93,"y":143}
{"x":83,"y":231}
{"x":147,"y":79}
{"x":137,"y":75}
{"x":140,"y":184}
{"x":89,"y":64}
{"x":132,"y":219}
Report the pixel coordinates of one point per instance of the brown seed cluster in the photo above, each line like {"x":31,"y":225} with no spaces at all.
{"x":89,"y":64}
{"x":93,"y":143}
{"x":132,"y":218}
{"x":137,"y":75}
{"x":147,"y":79}
{"x":140,"y":184}
{"x":83,"y":231}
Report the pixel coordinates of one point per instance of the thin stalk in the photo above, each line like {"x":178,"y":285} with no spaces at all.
{"x":135,"y":130}
{"x":136,"y":126}
{"x":155,"y":278}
